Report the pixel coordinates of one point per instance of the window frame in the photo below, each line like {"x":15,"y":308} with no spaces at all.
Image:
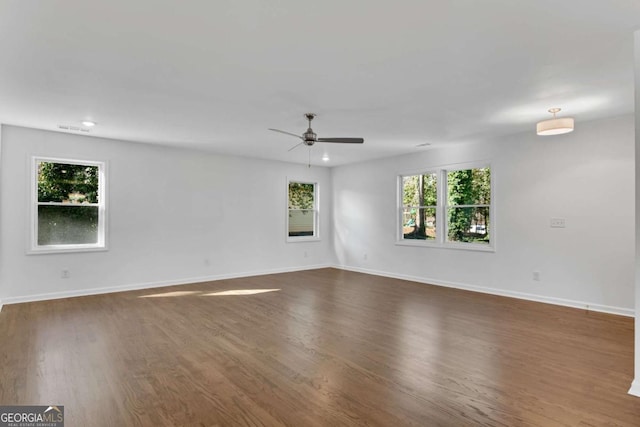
{"x":316,"y":212}
{"x":33,"y":247}
{"x":442,"y":223}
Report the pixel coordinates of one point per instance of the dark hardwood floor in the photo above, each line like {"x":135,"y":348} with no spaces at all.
{"x":326,"y":347}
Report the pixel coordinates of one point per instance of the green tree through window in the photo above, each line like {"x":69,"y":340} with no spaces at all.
{"x":469,"y":198}
{"x":62,"y":182}
{"x":464,"y":207}
{"x":302,"y":209}
{"x":419,"y":200}
{"x":68,"y":206}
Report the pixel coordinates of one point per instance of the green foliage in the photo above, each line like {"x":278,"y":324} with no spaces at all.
{"x":468,"y":187}
{"x":61,"y":182}
{"x":460,"y":192}
{"x":301,"y":195}
{"x":482,"y":185}
{"x":412,"y":191}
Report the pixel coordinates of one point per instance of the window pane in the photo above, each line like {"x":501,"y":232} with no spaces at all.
{"x":67,"y":225}
{"x":69,"y":183}
{"x":469,"y":187}
{"x":415,"y":228}
{"x":420,"y":190}
{"x":301,"y":222}
{"x":468,"y":225}
{"x":301,"y":195}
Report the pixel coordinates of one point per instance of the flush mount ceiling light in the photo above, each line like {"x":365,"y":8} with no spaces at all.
{"x":325,"y":158}
{"x":555,"y":126}
{"x":88,"y":123}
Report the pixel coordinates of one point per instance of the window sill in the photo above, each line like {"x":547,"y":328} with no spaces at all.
{"x":456,"y":246}
{"x":478,"y":247}
{"x":65,"y":249}
{"x":302,"y":239}
{"x":418,"y":243}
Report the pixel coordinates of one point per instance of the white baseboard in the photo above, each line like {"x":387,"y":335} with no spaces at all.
{"x":150,"y":285}
{"x":501,"y":292}
{"x":635,"y":387}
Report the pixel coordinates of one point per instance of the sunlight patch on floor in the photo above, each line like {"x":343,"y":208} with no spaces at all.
{"x":212,"y":294}
{"x":241,"y":292}
{"x":171,"y":294}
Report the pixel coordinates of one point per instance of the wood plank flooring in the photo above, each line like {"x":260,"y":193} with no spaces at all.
{"x":317,"y":348}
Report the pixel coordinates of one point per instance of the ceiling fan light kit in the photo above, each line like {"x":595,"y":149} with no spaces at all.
{"x":555,"y":126}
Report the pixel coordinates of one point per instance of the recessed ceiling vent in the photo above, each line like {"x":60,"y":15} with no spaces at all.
{"x":73,"y":128}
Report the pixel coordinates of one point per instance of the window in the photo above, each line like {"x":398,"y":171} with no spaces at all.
{"x":68,"y":205}
{"x":302,"y":218}
{"x":468,"y":205}
{"x":419,"y":205}
{"x":447,"y":207}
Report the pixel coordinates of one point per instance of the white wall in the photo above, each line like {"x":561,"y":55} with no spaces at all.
{"x":174,"y":216}
{"x":1,"y":216}
{"x":586,"y":177}
{"x":635,"y":386}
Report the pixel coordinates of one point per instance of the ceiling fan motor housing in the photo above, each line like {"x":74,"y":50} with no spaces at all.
{"x":309,"y":135}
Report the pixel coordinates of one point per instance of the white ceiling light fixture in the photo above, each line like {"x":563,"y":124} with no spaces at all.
{"x":88,"y":123}
{"x":325,"y":158}
{"x":555,"y":126}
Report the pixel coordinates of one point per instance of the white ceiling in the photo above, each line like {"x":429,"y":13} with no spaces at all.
{"x":214,"y":75}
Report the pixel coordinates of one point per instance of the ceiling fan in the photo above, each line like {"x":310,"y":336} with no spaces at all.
{"x":309,"y":137}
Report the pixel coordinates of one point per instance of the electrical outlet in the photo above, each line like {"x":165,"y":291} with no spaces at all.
{"x":306,"y":254}
{"x":557,"y":223}
{"x":364,"y":257}
{"x":65,"y":274}
{"x":536,"y":276}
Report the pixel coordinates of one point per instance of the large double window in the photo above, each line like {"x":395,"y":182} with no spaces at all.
{"x":447,"y":206}
{"x":302,"y":213}
{"x":68,"y":205}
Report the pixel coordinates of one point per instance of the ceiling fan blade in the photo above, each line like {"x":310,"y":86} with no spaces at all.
{"x":342,"y":140}
{"x":286,"y":133}
{"x":297,"y":145}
